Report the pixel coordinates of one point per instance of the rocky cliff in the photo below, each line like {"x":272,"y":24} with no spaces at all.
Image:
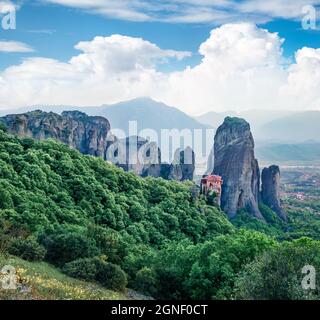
{"x":235,"y":162}
{"x":270,"y":193}
{"x":89,"y":135}
{"x":92,"y":135}
{"x":137,"y":155}
{"x":182,"y":167}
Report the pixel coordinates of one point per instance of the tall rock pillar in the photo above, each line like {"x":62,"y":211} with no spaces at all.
{"x":270,"y":193}
{"x":235,"y":162}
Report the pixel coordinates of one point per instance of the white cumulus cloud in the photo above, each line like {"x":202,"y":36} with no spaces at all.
{"x":242,"y":68}
{"x":108,"y":69}
{"x":117,"y":54}
{"x":302,"y":87}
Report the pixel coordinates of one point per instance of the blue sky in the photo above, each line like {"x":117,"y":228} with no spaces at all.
{"x":197,"y":55}
{"x":53,"y":30}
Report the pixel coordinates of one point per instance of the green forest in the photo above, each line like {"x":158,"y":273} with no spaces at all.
{"x":94,"y":222}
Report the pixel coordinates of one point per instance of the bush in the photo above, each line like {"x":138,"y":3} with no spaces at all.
{"x":66,"y":247}
{"x":146,"y":281}
{"x":111,"y":276}
{"x":27,"y":249}
{"x":82,"y":269}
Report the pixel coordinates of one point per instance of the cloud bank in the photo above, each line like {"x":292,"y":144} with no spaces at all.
{"x":242,"y":68}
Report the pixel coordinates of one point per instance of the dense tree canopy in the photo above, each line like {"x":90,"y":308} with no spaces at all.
{"x":97,"y":222}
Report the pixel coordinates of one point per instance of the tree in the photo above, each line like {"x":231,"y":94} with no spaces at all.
{"x":277,"y":274}
{"x":213,"y":274}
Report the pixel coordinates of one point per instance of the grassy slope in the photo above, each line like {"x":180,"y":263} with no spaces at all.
{"x":41,"y":281}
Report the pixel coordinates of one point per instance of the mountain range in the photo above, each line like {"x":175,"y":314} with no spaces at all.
{"x":148,"y":114}
{"x":299,"y":127}
{"x":270,"y":125}
{"x":279,"y":134}
{"x":295,"y":152}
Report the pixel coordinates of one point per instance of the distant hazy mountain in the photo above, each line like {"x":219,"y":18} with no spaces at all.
{"x":256,"y":118}
{"x":148,"y":114}
{"x":299,"y":152}
{"x":215,"y":119}
{"x":49,"y":108}
{"x":274,"y":125}
{"x":281,"y":136}
{"x":300,"y":127}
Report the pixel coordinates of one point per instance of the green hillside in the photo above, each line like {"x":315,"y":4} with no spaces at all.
{"x":66,"y":216}
{"x":40,"y":281}
{"x":80,"y":207}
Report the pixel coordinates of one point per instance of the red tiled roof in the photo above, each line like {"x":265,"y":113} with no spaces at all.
{"x":212,"y":178}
